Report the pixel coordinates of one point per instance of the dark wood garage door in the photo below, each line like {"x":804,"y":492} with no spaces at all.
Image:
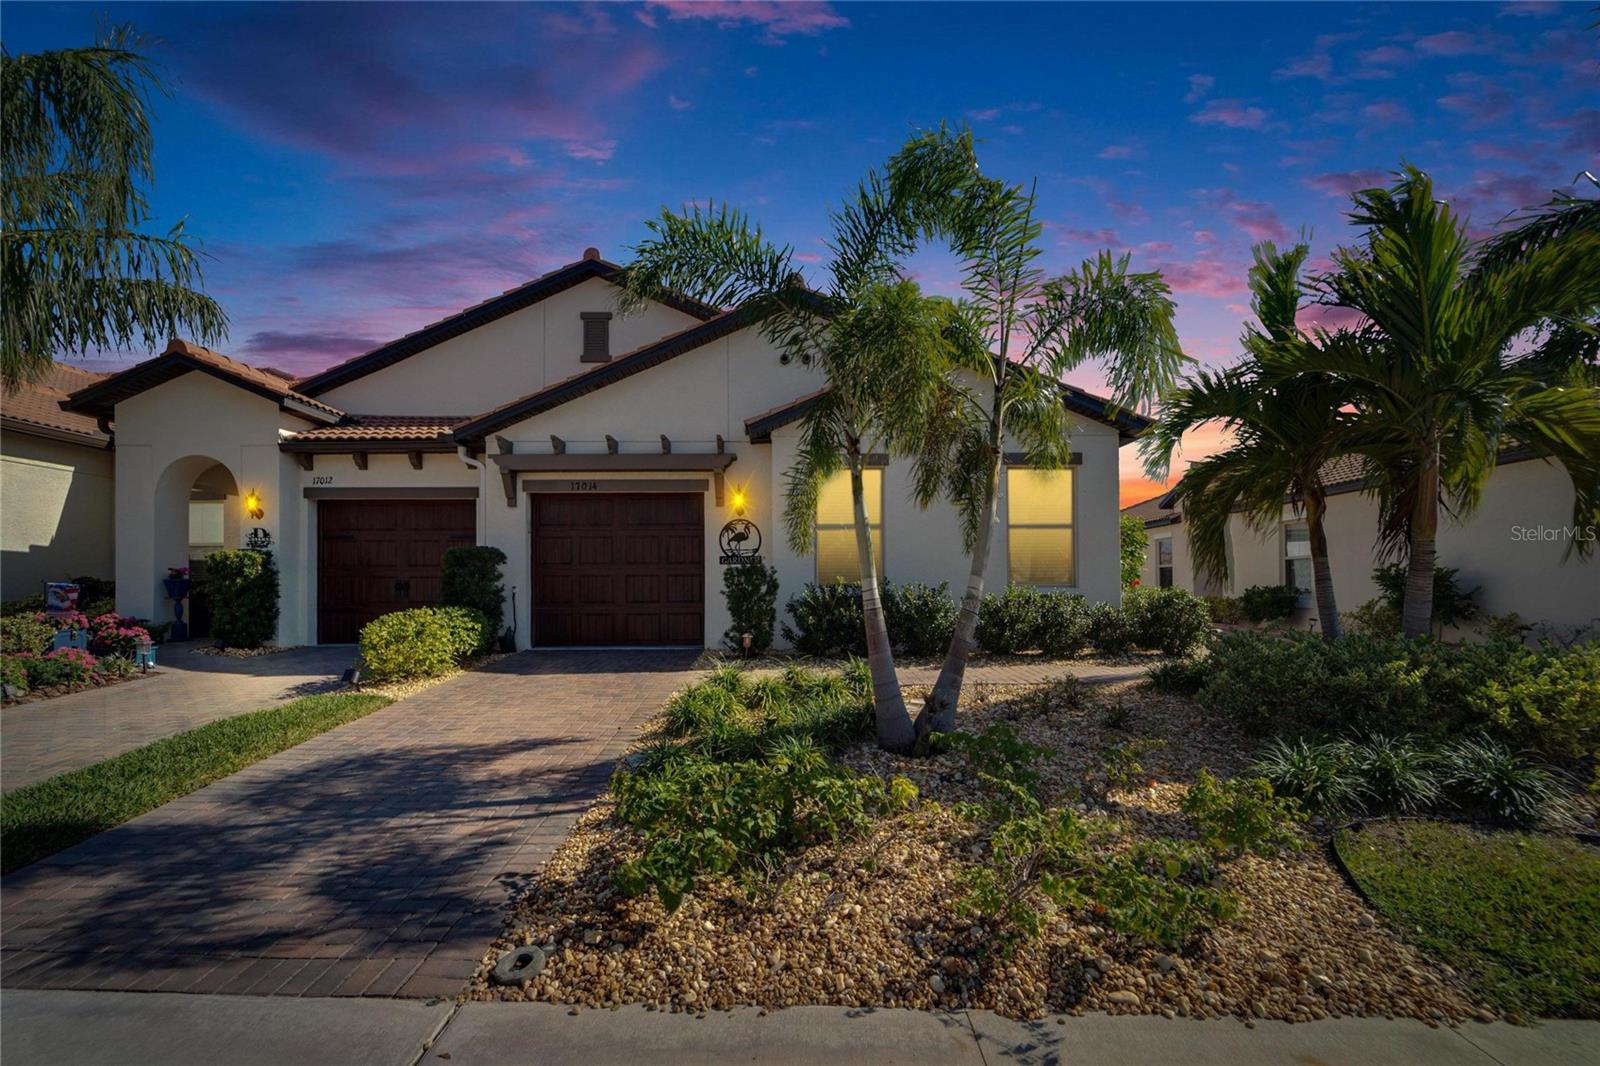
{"x":377,"y":556}
{"x":618,"y":569}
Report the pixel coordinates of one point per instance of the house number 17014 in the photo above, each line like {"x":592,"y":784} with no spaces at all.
{"x":584,"y":486}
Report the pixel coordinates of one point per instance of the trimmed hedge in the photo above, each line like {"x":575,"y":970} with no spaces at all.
{"x":420,"y":642}
{"x":471,"y":578}
{"x":242,"y":587}
{"x":1019,"y":618}
{"x":752,"y":594}
{"x":1545,"y":700}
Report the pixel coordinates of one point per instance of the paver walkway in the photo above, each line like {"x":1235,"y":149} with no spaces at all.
{"x":39,"y":740}
{"x":375,"y":859}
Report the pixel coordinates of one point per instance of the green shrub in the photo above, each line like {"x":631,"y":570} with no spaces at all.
{"x":702,"y":819}
{"x":996,"y":754}
{"x":1319,"y":775}
{"x":1225,"y":610}
{"x":1268,"y":603}
{"x":1008,"y":623}
{"x":698,"y":709}
{"x":24,"y":633}
{"x":1396,"y":774}
{"x":921,"y":618}
{"x":14,"y":673}
{"x":1181,"y":677}
{"x":1372,"y":619}
{"x":1170,"y":620}
{"x":827,"y":621}
{"x":1111,"y":631}
{"x":420,"y":642}
{"x":751,"y":591}
{"x":1451,"y":605}
{"x":1482,"y":777}
{"x":26,"y":605}
{"x":241,"y":585}
{"x":471,"y":578}
{"x":1545,"y":699}
{"x":1065,"y":624}
{"x":1242,"y":815}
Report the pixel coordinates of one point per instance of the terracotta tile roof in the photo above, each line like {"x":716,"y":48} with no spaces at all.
{"x":181,"y":357}
{"x":429,"y":428}
{"x":36,"y":408}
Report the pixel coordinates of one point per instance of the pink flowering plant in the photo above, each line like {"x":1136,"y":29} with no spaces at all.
{"x":73,"y":620}
{"x":64,"y":666}
{"x":112,"y":634}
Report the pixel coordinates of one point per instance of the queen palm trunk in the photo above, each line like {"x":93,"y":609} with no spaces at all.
{"x":894,"y":727}
{"x":1321,"y":572}
{"x":939,"y":712}
{"x":1416,"y":613}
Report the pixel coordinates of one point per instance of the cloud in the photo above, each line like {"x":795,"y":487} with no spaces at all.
{"x":305,"y":348}
{"x":1199,"y":86}
{"x":1258,"y":219}
{"x":1454,"y":43}
{"x":778,"y":18}
{"x":1343,"y":183}
{"x":1119,"y":151}
{"x":1479,"y":100}
{"x":989,"y":114}
{"x":1204,"y":236}
{"x":1386,"y":113}
{"x":1068,"y":236}
{"x":1318,"y":63}
{"x":600,"y":151}
{"x":679,"y":104}
{"x":1205,"y":275}
{"x":1234,"y":114}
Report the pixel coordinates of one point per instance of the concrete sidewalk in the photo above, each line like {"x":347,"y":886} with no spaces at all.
{"x":49,"y":1028}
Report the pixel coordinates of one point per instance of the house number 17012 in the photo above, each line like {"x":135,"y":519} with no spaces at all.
{"x":584,"y":486}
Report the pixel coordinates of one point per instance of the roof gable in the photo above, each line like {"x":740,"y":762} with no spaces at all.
{"x":101,"y":398}
{"x":509,"y":302}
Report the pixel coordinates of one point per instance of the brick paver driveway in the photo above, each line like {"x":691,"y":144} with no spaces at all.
{"x":376,"y":859}
{"x":39,"y":740}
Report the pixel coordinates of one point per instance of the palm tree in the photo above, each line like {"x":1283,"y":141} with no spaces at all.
{"x":1438,"y":385}
{"x":878,"y":342}
{"x":1015,"y":333}
{"x":74,"y":162}
{"x":1286,"y":424}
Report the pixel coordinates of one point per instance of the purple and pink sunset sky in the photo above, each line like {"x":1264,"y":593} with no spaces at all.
{"x":356,"y":171}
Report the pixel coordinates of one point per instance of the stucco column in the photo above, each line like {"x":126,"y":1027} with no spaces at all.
{"x":138,"y":584}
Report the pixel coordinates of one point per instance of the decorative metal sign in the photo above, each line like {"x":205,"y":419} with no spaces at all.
{"x":258,"y":539}
{"x":740,"y":541}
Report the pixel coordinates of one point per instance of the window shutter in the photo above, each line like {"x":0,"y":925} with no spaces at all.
{"x":596,"y":336}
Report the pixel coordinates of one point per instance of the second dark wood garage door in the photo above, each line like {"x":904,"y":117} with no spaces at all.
{"x":619,"y":569}
{"x":377,"y":556}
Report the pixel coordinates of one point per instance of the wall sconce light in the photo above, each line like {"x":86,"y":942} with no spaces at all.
{"x":252,"y":505}
{"x":739,"y":502}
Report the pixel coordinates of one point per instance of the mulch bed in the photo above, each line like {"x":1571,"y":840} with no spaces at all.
{"x":873,"y":923}
{"x":246,"y":653}
{"x":51,"y":691}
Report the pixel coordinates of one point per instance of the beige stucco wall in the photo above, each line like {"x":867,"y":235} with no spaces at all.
{"x":1184,"y":573}
{"x":509,"y":357}
{"x":56,"y":506}
{"x":1496,"y":550}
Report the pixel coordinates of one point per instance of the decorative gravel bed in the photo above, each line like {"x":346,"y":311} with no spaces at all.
{"x":873,"y":922}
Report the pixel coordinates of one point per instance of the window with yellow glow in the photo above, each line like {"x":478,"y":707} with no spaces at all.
{"x":1039,"y":530}
{"x":836,"y":527}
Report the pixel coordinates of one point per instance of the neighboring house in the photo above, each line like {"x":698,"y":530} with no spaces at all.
{"x":1167,"y":562}
{"x":1513,"y":548}
{"x":619,"y":461}
{"x":56,"y":486}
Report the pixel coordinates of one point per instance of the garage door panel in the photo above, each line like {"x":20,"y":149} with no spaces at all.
{"x":377,"y":556}
{"x":630,"y":568}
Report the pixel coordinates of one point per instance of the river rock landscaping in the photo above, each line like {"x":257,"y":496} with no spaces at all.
{"x":873,"y":914}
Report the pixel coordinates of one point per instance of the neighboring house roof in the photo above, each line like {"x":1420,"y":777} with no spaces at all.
{"x":508,"y":302}
{"x":181,"y":357}
{"x":620,"y":368}
{"x":382,"y":432}
{"x":1153,"y":513}
{"x":35,"y":408}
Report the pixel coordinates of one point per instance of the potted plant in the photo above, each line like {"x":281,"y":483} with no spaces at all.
{"x":177,"y":582}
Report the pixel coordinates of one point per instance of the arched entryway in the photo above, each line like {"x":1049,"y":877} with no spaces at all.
{"x":197,"y":511}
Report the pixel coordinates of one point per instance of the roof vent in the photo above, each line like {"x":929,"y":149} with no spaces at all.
{"x":596,"y":336}
{"x":591,"y":254}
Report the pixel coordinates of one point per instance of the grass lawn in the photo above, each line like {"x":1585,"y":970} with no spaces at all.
{"x":1519,"y":913}
{"x":41,"y":819}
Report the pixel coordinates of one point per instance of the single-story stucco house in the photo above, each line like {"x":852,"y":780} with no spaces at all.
{"x":1512,"y":549}
{"x":619,"y":461}
{"x":57,"y":492}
